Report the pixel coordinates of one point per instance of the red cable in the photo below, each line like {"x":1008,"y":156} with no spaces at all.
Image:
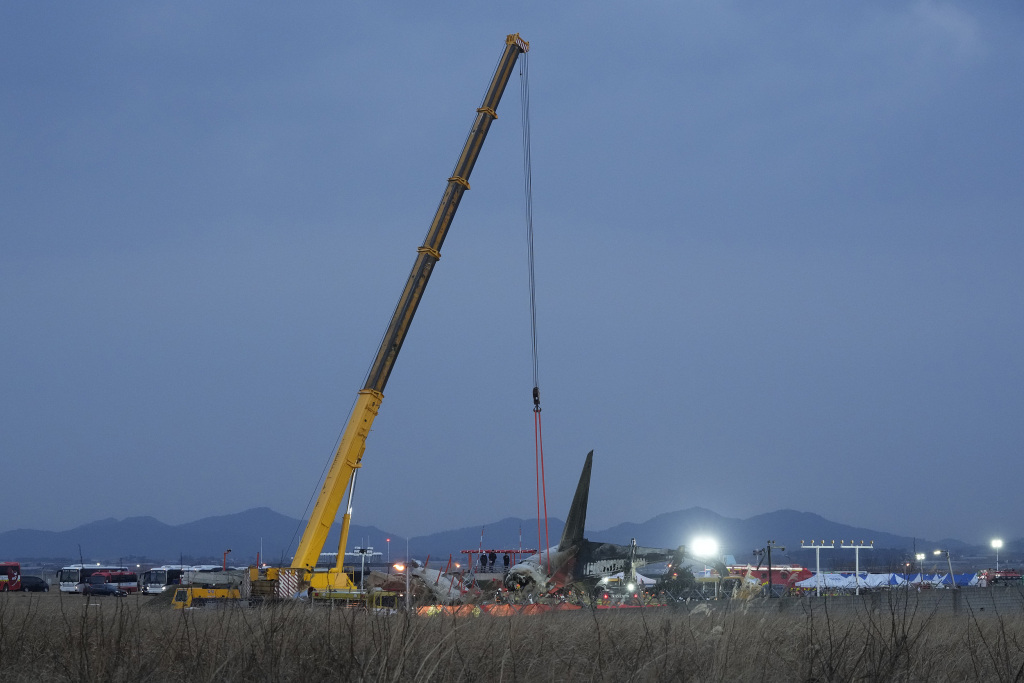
{"x":536,"y":447}
{"x":544,"y":488}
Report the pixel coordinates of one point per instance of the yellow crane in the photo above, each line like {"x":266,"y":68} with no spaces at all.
{"x":286,"y":581}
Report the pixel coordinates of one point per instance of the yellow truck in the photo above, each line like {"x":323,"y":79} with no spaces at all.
{"x":189,"y":597}
{"x":211,"y":589}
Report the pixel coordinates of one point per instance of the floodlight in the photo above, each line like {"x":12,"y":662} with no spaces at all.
{"x":704,"y":546}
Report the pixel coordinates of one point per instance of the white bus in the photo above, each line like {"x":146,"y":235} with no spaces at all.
{"x":72,"y":576}
{"x":159,"y":579}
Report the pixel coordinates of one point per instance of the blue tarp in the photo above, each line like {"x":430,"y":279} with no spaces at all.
{"x":846,"y":580}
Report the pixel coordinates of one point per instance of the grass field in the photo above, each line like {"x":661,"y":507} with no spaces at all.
{"x":71,"y":637}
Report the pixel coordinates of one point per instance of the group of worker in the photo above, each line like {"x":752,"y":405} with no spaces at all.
{"x":487,"y":561}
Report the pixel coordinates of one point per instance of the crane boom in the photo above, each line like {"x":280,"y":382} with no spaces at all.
{"x":348,"y":457}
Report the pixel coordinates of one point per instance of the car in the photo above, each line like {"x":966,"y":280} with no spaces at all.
{"x":34,"y":584}
{"x":97,"y":585}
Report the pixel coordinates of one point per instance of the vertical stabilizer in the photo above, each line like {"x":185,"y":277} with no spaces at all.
{"x":574,"y":523}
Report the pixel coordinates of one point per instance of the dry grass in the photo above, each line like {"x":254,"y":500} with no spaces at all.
{"x":77,"y":639}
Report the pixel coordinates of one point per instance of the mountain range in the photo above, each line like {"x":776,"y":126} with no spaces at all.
{"x":146,"y":539}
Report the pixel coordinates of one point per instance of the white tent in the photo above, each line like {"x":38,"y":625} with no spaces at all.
{"x":828,"y":580}
{"x":876,"y":580}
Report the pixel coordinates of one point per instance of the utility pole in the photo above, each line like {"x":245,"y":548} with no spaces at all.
{"x":949,"y":562}
{"x":817,"y":562}
{"x":856,"y":554}
{"x":767,"y":550}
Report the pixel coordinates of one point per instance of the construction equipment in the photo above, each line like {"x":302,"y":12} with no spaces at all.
{"x":191,"y":597}
{"x":211,"y":589}
{"x":300,"y":576}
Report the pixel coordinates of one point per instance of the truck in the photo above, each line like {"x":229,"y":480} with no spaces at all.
{"x":210,"y":589}
{"x":268,"y":582}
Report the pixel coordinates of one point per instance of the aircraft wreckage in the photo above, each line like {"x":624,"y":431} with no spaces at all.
{"x":574,"y":566}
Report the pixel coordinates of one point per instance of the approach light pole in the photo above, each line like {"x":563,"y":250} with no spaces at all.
{"x":856,"y":559}
{"x":997,"y":543}
{"x":817,"y":563}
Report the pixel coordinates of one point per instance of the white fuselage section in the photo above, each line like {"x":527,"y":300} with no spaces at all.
{"x":446,"y":588}
{"x":541,"y":572}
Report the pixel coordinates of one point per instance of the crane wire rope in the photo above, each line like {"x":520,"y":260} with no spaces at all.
{"x":542,"y":494}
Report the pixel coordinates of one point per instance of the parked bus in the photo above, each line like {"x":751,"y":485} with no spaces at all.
{"x":72,"y":576}
{"x":160,"y":579}
{"x":10,"y":576}
{"x":127,"y":581}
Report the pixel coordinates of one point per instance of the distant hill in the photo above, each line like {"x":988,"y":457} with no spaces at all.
{"x":789,"y":529}
{"x":504,"y":534}
{"x":145,"y":539}
{"x":741,"y":536}
{"x":148,"y":539}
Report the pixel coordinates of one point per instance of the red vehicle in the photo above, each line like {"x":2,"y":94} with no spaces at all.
{"x":1008,"y":577}
{"x":124,"y":580}
{"x":10,"y":576}
{"x":782,"y":575}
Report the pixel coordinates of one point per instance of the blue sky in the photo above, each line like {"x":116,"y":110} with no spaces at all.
{"x":777,"y":256}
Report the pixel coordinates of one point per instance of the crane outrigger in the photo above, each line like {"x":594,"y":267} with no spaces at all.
{"x":300,"y":576}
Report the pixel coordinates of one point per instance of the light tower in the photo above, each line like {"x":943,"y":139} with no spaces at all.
{"x":997,"y":543}
{"x":817,"y":563}
{"x":856,"y":560}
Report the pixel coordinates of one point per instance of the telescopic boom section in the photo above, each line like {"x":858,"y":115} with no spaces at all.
{"x":353,"y":442}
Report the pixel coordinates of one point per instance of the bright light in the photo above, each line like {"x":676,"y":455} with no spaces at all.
{"x":399,"y":567}
{"x":630,"y":587}
{"x":997,"y":543}
{"x":920,"y":557}
{"x":704,"y":546}
{"x":937,"y":552}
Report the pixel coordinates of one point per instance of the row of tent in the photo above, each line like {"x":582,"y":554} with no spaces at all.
{"x":850,"y":580}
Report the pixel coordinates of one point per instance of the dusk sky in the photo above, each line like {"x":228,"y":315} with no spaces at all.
{"x":778,"y":260}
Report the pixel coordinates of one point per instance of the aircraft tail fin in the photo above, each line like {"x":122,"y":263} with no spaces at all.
{"x":577,"y":519}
